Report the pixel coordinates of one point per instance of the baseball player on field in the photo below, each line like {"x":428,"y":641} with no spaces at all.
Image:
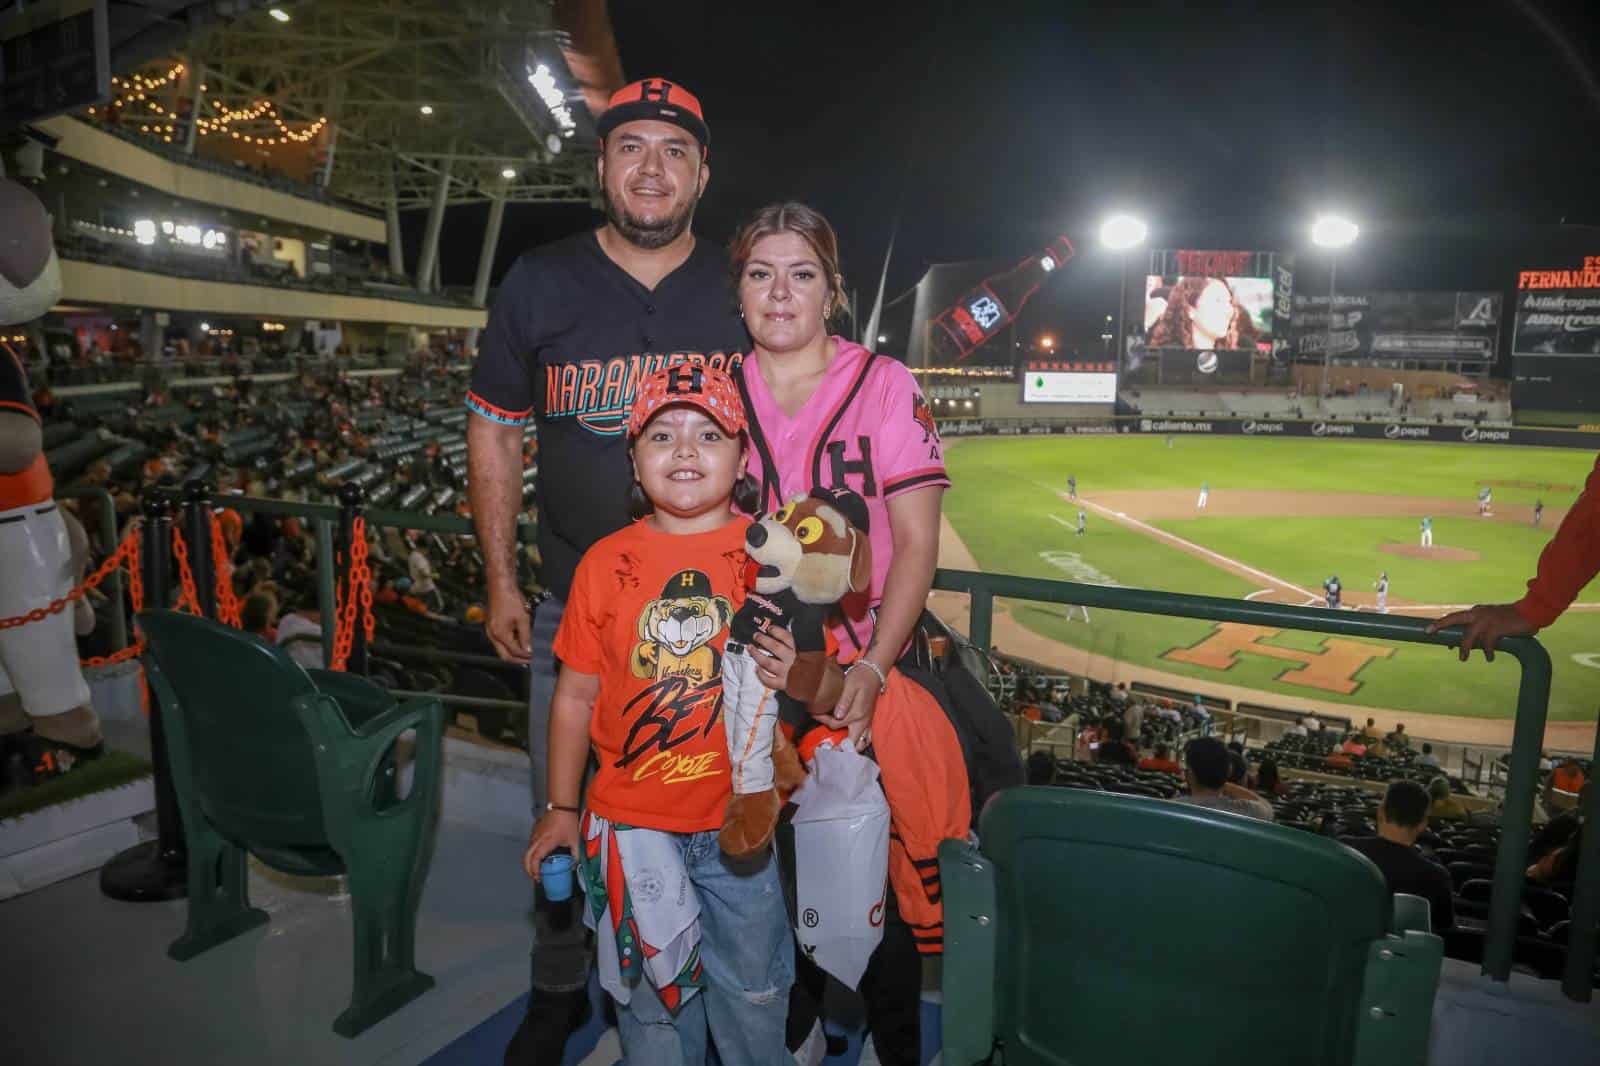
{"x":1383,"y":592}
{"x":1483,"y":502}
{"x":1083,"y":521}
{"x":1332,"y":589}
{"x":1205,"y":494}
{"x":1427,"y":531}
{"x":1538,"y":513}
{"x":1072,"y":486}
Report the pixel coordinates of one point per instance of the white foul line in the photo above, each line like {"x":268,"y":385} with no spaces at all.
{"x":1199,"y":549}
{"x":1312,"y":599}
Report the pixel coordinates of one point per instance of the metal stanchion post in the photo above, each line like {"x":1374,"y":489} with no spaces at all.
{"x":197,"y":530}
{"x":157,"y":869}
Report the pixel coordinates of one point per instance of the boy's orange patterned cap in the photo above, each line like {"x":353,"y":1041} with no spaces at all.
{"x":692,"y":385}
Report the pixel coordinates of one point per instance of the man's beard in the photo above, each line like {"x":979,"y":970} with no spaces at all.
{"x":652,"y":234}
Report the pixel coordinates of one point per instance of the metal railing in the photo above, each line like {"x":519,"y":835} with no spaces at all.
{"x":331,"y":525}
{"x":1533,"y":698}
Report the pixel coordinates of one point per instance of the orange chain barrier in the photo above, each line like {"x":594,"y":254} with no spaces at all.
{"x":227,"y":602}
{"x":356,"y":599}
{"x":189,"y":597}
{"x":127,"y":554}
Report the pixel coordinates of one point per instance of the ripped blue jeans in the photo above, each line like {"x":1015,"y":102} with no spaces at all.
{"x":748,"y":953}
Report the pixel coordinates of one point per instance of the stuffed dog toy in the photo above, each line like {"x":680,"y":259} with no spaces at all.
{"x":804,"y":558}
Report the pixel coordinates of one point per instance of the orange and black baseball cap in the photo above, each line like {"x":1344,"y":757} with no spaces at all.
{"x":658,"y":99}
{"x":689,"y":385}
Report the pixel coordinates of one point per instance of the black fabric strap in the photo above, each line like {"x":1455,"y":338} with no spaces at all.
{"x":769,"y":469}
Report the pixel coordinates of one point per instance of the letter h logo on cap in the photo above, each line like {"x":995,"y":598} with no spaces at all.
{"x":685,"y":381}
{"x":658,"y":99}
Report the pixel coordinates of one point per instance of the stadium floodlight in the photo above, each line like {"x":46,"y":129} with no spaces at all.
{"x":1334,"y":231}
{"x":144,"y":231}
{"x":426,"y":109}
{"x":1121,"y":232}
{"x":279,"y":13}
{"x":883,"y":338}
{"x":508,"y":173}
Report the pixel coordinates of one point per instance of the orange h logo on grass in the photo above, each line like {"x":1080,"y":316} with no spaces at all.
{"x":1331,"y":669}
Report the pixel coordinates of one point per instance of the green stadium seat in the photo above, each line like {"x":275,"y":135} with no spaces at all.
{"x":1094,"y":929}
{"x":296,"y":769}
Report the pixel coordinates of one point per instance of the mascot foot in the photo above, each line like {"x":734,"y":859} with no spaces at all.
{"x":60,"y":743}
{"x":44,"y":759}
{"x":748,"y":824}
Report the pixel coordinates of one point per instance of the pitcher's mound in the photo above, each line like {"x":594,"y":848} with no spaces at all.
{"x":1438,"y":553}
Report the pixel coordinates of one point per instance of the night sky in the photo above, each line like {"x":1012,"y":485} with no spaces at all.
{"x":1465,"y":138}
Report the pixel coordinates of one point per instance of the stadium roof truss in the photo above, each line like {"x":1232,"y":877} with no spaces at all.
{"x":381,"y":98}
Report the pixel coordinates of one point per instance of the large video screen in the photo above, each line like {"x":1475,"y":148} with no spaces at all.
{"x":1056,"y":386}
{"x":1208,"y":313}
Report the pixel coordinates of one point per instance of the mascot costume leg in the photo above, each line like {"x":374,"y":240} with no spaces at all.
{"x":44,"y":700}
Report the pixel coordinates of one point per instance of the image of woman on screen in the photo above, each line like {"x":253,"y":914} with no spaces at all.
{"x":1203,"y":314}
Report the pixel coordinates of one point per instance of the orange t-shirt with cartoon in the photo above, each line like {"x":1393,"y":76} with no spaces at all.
{"x":648,"y":614}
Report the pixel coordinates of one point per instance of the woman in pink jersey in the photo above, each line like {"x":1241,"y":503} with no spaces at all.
{"x":833,"y":414}
{"x":825,"y":412}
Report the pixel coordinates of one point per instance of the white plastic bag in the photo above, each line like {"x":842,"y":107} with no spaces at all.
{"x":841,"y":843}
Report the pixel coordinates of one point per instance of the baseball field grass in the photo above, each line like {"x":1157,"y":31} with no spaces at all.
{"x":1282,"y":517}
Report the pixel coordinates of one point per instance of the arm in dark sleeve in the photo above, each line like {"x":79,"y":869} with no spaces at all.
{"x":502,"y":386}
{"x":1569,"y":562}
{"x":1442,"y":905}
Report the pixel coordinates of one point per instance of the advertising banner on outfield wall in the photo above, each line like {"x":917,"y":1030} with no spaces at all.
{"x":1264,"y":427}
{"x":1399,"y":431}
{"x":1555,"y":340}
{"x":1564,"y":322}
{"x":1443,"y":326}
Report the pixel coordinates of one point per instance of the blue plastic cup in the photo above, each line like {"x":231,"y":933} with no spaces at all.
{"x":555,"y":874}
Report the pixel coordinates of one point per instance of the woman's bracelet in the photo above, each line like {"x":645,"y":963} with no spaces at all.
{"x":883,"y":679}
{"x":561,"y":807}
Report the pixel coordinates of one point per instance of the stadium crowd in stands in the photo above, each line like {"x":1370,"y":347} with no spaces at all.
{"x":398,"y":437}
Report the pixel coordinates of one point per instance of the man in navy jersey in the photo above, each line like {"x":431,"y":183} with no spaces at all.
{"x":576,"y":325}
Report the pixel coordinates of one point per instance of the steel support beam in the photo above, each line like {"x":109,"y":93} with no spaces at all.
{"x":430,"y":236}
{"x":397,"y":250}
{"x":197,"y":78}
{"x":491,"y":240}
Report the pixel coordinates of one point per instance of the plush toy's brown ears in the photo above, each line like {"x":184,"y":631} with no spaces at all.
{"x":860,"y":561}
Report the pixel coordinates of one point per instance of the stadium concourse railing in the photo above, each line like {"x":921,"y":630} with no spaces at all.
{"x":1533,"y":697}
{"x":334,"y":523}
